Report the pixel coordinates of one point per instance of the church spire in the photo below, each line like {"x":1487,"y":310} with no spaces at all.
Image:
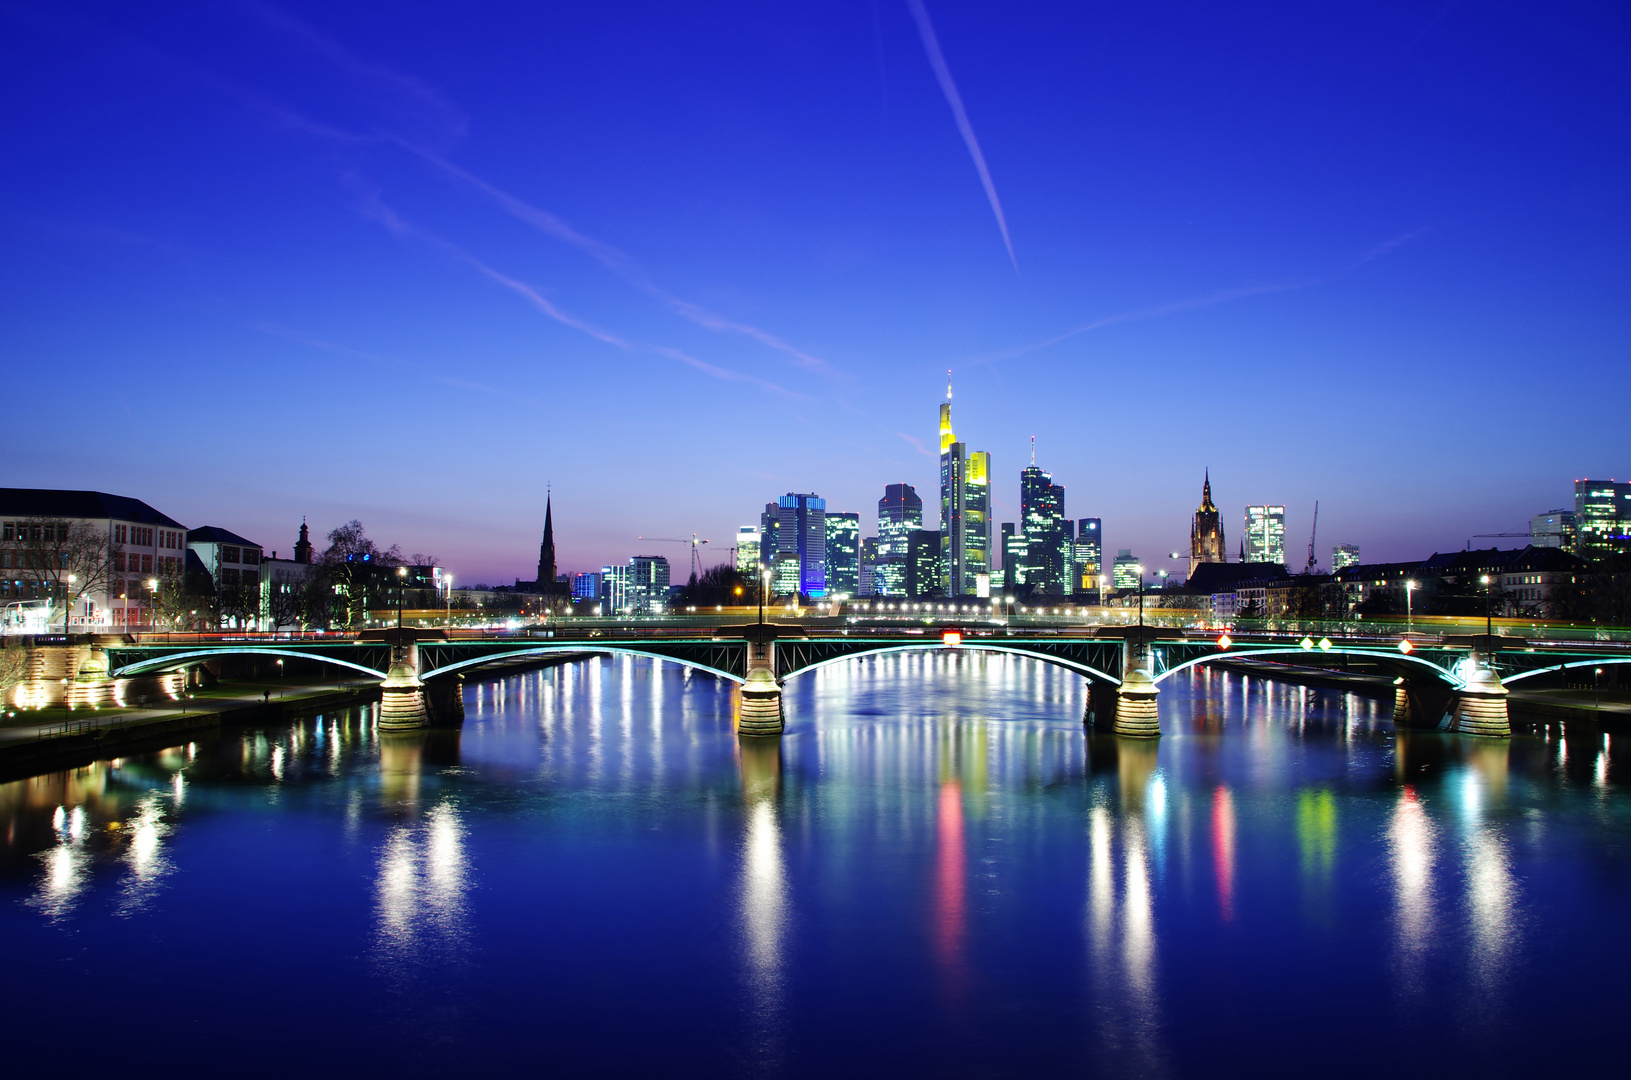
{"x":546,"y":550}
{"x":1206,"y":492}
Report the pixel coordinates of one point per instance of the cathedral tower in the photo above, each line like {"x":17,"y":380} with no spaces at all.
{"x":1206,"y":535}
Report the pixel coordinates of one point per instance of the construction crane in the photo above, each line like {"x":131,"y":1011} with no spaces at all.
{"x":696,"y":550}
{"x":1475,"y":536}
{"x":1312,"y":533}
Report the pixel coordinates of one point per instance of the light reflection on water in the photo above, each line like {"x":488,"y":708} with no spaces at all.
{"x":936,"y":852}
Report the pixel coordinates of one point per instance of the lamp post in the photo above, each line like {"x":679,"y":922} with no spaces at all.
{"x":152,"y":596}
{"x":1409,"y":589}
{"x":1489,"y":619}
{"x":401,"y":584}
{"x":1140,"y":569}
{"x":67,"y":602}
{"x":449,"y":579}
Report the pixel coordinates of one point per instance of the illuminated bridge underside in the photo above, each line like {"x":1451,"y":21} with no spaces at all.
{"x":1086,"y":656}
{"x":1168,"y":660}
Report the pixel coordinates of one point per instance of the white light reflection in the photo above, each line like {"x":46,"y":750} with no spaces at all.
{"x":419,"y":894}
{"x":143,"y":856}
{"x":764,"y":897}
{"x":1411,"y":844}
{"x":1492,"y":897}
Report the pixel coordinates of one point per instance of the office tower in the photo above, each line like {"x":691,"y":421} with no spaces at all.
{"x":614,"y":590}
{"x":1042,"y":514}
{"x":869,"y":566}
{"x":1554,"y":528}
{"x":647,"y":585}
{"x":1344,"y":555}
{"x":1125,"y":572}
{"x":1090,"y":553}
{"x":801,"y":544}
{"x":1013,"y":556}
{"x":587,"y":586}
{"x":965,"y":511}
{"x":843,"y":546}
{"x":747,"y":552}
{"x":1206,"y":534}
{"x":769,"y":535}
{"x":1602,"y":517}
{"x":899,"y":512}
{"x":1266,"y":534}
{"x":1067,"y":553}
{"x":923,"y":561}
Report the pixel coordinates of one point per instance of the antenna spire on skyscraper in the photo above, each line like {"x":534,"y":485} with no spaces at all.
{"x":1033,"y":451}
{"x":948,"y":384}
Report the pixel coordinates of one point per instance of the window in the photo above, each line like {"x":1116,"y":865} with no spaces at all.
{"x":229,"y":578}
{"x":251,"y":579}
{"x":229,"y":553}
{"x":119,"y":534}
{"x":252,"y":557}
{"x":147,"y":564}
{"x":119,"y":562}
{"x":8,"y":531}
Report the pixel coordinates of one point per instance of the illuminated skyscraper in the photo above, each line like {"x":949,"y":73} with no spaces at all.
{"x":647,"y":585}
{"x":1344,"y":555}
{"x":747,"y":551}
{"x":900,"y":513}
{"x":1266,"y":534}
{"x":923,"y":551}
{"x":1602,"y":518}
{"x":1013,"y":556}
{"x":801,"y":544}
{"x":1089,"y":552}
{"x":1042,"y":510}
{"x":1554,"y":528}
{"x":843,"y":555}
{"x":1125,"y":574}
{"x":1206,"y":534}
{"x":965,"y":511}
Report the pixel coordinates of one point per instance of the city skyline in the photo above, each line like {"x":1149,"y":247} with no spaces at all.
{"x":288,"y":250}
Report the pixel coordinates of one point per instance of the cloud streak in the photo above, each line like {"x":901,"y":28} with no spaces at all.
{"x":937,"y":61}
{"x":619,"y":263}
{"x":374,"y":209}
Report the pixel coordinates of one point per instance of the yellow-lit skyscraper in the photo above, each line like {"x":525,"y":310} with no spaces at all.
{"x":965,"y":511}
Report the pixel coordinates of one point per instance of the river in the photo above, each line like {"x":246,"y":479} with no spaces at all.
{"x":935,"y":872}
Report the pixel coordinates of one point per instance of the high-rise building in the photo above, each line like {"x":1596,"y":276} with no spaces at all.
{"x":1602,"y":518}
{"x":1042,"y":512}
{"x":801,"y":541}
{"x":1206,"y":534}
{"x":843,"y":545}
{"x":747,"y":551}
{"x":1126,"y":571}
{"x":1344,"y":555}
{"x":1266,"y":534}
{"x":869,"y":566}
{"x":647,"y":589}
{"x":923,"y":560}
{"x":1013,"y":556}
{"x":965,"y":511}
{"x":899,"y":512}
{"x":1554,"y":528}
{"x":1090,"y":553}
{"x":614,"y":590}
{"x":587,"y":586}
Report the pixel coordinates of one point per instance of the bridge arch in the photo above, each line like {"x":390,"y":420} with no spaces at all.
{"x":966,"y":646}
{"x":1550,"y":668}
{"x":173,"y":659}
{"x":582,"y":648}
{"x":1373,"y":654}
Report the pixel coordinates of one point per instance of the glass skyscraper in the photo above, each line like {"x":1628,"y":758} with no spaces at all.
{"x":843,"y":555}
{"x":1266,"y":534}
{"x":1344,"y":555}
{"x":801,"y":544}
{"x":965,"y":511}
{"x":747,"y":552}
{"x":1089,"y":552}
{"x":1042,"y":508}
{"x":1602,"y":517}
{"x":1125,"y":574}
{"x":900,"y":513}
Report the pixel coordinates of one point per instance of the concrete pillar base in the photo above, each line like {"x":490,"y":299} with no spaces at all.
{"x":402,"y":698}
{"x":1481,"y":707}
{"x":1401,"y":707}
{"x":761,"y":710}
{"x":1137,"y":716}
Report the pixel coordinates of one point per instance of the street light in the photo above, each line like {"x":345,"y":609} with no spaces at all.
{"x":401,"y":584}
{"x":1409,"y":588}
{"x":67,"y":603}
{"x":1489,"y":630}
{"x":449,"y":579}
{"x":1140,"y":568}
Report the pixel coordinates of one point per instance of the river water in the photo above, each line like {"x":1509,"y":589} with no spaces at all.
{"x":936,"y":872}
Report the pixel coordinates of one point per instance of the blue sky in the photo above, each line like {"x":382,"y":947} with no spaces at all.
{"x":410,"y":262}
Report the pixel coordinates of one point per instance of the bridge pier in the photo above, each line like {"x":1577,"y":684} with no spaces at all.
{"x":760,"y":713}
{"x":1137,"y":715}
{"x":1480,"y":708}
{"x":402,"y":694}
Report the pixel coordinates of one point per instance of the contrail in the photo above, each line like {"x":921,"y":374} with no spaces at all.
{"x":931,"y":45}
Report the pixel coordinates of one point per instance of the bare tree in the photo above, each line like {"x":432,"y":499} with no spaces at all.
{"x":63,"y":559}
{"x":350,"y":563}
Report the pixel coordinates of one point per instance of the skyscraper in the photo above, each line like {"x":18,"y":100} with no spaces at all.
{"x":1602,"y":517}
{"x":1013,"y":556}
{"x":1206,"y":534}
{"x":801,"y":544}
{"x":1090,"y":553}
{"x":843,"y":555}
{"x":1266,"y":534}
{"x":1042,"y":513}
{"x":747,"y":552}
{"x":1126,"y":574}
{"x":900,"y":513}
{"x":965,"y":510}
{"x":923,"y":560}
{"x":647,"y":585}
{"x":1344,"y":555}
{"x":1554,"y":528}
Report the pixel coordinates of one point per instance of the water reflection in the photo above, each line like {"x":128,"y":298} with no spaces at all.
{"x":1223,"y":850}
{"x":420,"y":889}
{"x":762,"y":892}
{"x":1411,"y":843}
